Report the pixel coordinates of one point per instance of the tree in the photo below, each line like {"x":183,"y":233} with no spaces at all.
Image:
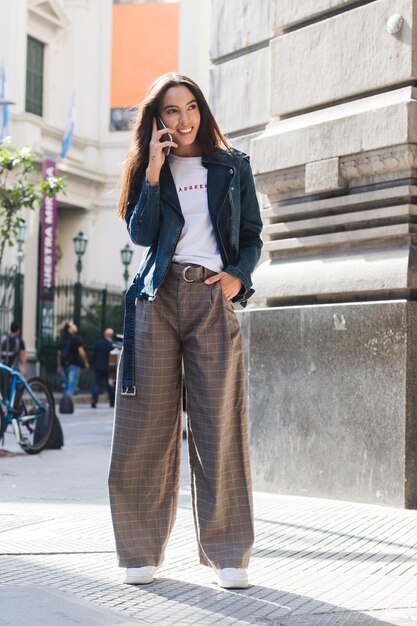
{"x":17,"y":192}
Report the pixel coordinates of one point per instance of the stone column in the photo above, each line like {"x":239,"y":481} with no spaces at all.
{"x":331,"y":353}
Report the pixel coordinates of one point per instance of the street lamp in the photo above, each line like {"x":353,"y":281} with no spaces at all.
{"x":80,"y":245}
{"x":127,"y":254}
{"x":20,"y":238}
{"x":18,"y":284}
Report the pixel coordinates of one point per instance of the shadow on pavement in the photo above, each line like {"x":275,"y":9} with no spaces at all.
{"x":257,"y":605}
{"x":168,"y":601}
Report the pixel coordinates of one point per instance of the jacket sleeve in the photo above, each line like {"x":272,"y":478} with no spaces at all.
{"x":250,"y":242}
{"x":94,"y":357}
{"x":144,"y":219}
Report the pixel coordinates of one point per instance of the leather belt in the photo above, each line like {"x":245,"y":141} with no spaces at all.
{"x":191,"y":273}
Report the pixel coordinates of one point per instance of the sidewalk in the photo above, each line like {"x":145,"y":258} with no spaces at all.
{"x":315,"y":563}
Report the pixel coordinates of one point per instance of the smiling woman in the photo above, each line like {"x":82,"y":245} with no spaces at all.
{"x":183,"y":118}
{"x":197,"y":213}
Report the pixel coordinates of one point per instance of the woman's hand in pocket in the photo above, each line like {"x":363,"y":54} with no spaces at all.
{"x":230,"y":284}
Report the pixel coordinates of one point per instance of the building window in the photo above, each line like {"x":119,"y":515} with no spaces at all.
{"x":122,"y":119}
{"x":34,"y":76}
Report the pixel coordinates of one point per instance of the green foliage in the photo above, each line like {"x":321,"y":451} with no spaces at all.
{"x":17,"y":192}
{"x":92,"y":318}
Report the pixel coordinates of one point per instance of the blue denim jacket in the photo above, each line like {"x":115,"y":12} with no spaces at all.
{"x":156,"y":222}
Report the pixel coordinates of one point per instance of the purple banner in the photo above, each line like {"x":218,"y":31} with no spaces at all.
{"x":48,"y":237}
{"x":47,"y":258}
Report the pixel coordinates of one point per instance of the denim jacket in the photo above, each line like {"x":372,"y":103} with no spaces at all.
{"x":156,"y":222}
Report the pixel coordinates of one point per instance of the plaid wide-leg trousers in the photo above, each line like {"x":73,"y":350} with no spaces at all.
{"x":193,"y":324}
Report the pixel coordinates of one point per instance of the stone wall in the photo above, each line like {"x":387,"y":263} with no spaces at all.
{"x":323,"y":98}
{"x":331,"y":404}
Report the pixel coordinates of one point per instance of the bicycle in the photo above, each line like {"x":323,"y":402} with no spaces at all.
{"x":28,"y":405}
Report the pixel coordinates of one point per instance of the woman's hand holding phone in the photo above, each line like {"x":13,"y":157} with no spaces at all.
{"x":157,"y":153}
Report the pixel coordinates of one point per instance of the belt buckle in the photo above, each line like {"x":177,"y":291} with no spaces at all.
{"x":184,"y":274}
{"x":129,"y":390}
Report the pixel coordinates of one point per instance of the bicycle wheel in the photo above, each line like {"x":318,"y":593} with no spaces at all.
{"x":3,"y":423}
{"x":4,"y":393}
{"x":35,"y":431}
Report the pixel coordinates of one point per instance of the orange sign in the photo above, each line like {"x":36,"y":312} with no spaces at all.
{"x":145,"y":45}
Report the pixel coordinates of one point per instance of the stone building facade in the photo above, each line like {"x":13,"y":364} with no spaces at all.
{"x":322,"y":94}
{"x":76,"y":38}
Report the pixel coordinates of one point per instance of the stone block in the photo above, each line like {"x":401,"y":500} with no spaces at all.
{"x":340,"y":239}
{"x":289,"y":13}
{"x":242,"y":91}
{"x":323,"y":175}
{"x":239,"y":24}
{"x":363,"y":199}
{"x":336,"y":275}
{"x":340,"y":222}
{"x":364,"y":57}
{"x":355,"y":129}
{"x":243,"y":142}
{"x":330,"y":412}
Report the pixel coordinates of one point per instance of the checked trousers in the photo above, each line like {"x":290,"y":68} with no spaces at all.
{"x":189,"y":326}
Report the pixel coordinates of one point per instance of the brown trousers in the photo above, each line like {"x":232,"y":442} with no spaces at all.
{"x":190,"y":323}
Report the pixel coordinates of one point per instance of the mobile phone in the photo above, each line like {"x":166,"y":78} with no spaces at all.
{"x":167,"y":137}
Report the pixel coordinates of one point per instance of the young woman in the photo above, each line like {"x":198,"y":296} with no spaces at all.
{"x":196,"y":212}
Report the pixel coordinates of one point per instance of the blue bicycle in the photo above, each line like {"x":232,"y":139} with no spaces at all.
{"x":28,"y":405}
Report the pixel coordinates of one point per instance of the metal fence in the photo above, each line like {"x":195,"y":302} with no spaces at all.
{"x":92,"y":308}
{"x":11,"y":298}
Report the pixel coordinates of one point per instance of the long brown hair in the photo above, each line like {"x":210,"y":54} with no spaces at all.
{"x":209,"y":136}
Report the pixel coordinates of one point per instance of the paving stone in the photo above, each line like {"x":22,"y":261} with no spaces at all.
{"x":315,"y":563}
{"x":37,"y":606}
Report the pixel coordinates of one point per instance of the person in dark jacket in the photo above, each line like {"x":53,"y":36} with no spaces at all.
{"x":13,"y":354}
{"x":13,"y":349}
{"x":69,"y":356}
{"x":100,"y":366}
{"x":190,"y":199}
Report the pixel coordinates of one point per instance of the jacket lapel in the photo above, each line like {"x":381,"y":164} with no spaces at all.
{"x":218,"y":182}
{"x":167,"y":188}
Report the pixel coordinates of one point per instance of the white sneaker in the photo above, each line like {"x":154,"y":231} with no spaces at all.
{"x":232,"y":578}
{"x":139,"y":575}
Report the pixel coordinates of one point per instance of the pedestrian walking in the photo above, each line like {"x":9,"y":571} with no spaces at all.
{"x":71,"y":354}
{"x":13,"y":349}
{"x":190,"y":199}
{"x":13,"y":354}
{"x":100,"y":367}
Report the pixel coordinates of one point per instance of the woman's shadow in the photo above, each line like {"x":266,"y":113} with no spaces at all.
{"x":257,"y":606}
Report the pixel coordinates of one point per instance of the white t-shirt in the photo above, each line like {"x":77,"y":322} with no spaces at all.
{"x":197,"y":243}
